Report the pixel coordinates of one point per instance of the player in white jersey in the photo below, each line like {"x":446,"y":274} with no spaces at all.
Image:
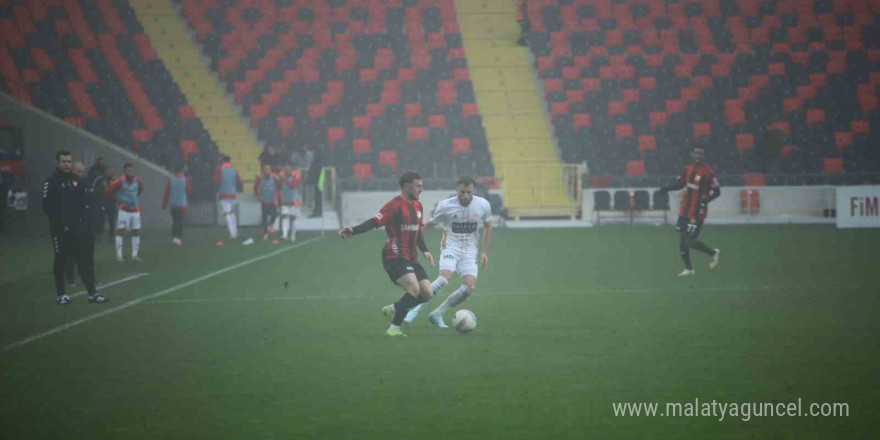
{"x":460,"y":217}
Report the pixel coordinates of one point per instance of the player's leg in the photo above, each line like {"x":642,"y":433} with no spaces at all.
{"x":447,"y":266}
{"x":684,"y":247}
{"x":59,"y":260}
{"x":292,"y":236}
{"x":411,"y":298}
{"x":264,"y":221}
{"x":285,"y":223}
{"x":231,"y":220}
{"x":85,"y":261}
{"x":135,"y":224}
{"x":468,"y":270}
{"x":698,"y":245}
{"x":273,"y":216}
{"x":70,"y":272}
{"x":121,"y":226}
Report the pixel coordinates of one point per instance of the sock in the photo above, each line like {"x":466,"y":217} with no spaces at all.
{"x":455,"y":298}
{"x":135,"y":245}
{"x":700,"y":246}
{"x":686,"y":256}
{"x":439,"y":284}
{"x":402,"y":307}
{"x":119,"y":246}
{"x":230,"y":224}
{"x":392,"y":327}
{"x":234,"y":225}
{"x":285,"y":226}
{"x":292,"y":226}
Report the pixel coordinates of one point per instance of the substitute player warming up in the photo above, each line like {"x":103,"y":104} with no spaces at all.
{"x":700,"y":187}
{"x":402,"y":219}
{"x":460,"y":217}
{"x":127,"y":189}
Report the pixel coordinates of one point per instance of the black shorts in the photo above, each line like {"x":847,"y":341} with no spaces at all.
{"x":397,"y":268}
{"x":690,"y":228}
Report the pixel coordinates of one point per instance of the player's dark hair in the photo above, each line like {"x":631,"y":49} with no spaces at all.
{"x":467,"y":181}
{"x":408,"y":177}
{"x":179,"y":168}
{"x":61,"y":153}
{"x":127,"y":166}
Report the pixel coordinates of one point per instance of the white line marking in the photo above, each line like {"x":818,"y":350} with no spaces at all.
{"x":488,"y":294}
{"x":113,"y":283}
{"x":132,"y":303}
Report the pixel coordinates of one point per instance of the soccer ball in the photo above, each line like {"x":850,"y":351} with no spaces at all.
{"x":464,"y":321}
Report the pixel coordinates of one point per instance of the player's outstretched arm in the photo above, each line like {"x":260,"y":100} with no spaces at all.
{"x":368,"y":225}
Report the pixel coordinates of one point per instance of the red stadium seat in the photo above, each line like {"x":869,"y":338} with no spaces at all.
{"x":745,"y":140}
{"x":647,"y":83}
{"x":815,"y":115}
{"x":616,"y":108}
{"x":631,"y":95}
{"x":782,"y":126}
{"x":843,"y":140}
{"x":753,"y":179}
{"x":469,"y":109}
{"x":623,"y":131}
{"x":334,"y":134}
{"x":674,"y":106}
{"x":362,"y":171}
{"x":702,"y":129}
{"x":559,"y":108}
{"x":647,"y":142}
{"x":461,"y":145}
{"x":635,"y":168}
{"x":389,"y":157}
{"x":590,"y":84}
{"x":187,"y":148}
{"x":582,"y":120}
{"x":414,"y":133}
{"x":832,"y":165}
{"x":658,"y":118}
{"x":860,"y":127}
{"x":285,"y":124}
{"x":360,"y":146}
{"x":412,"y":110}
{"x":436,"y":121}
{"x":364,"y":122}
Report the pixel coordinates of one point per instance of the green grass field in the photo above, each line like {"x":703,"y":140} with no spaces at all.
{"x":570,"y":321}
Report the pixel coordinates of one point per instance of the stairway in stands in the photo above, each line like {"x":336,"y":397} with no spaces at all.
{"x":520,"y":140}
{"x":203,"y":90}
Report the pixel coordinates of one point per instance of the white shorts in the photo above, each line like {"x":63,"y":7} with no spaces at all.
{"x":128,"y":220}
{"x":290,"y":210}
{"x":464,"y":264}
{"x":227,"y":205}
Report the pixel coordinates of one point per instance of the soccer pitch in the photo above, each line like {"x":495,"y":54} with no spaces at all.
{"x":286,"y":342}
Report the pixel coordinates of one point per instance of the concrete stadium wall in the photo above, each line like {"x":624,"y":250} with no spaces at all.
{"x":45,"y":134}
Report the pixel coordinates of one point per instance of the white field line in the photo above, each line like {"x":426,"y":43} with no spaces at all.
{"x":112,"y":283}
{"x":161,"y":293}
{"x":493,"y":294}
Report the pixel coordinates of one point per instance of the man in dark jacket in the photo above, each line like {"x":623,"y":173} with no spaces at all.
{"x":313,"y":179}
{"x":64,"y":204}
{"x":106,"y":205}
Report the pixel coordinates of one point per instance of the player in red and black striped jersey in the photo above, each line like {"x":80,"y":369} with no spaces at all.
{"x":402,"y":219}
{"x":700,"y":187}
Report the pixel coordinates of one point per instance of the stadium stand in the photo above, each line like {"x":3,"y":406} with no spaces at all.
{"x":89,"y":63}
{"x":632,"y":85}
{"x":382,"y":86}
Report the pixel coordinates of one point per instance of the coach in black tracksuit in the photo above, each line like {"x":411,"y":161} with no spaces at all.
{"x":64,"y":204}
